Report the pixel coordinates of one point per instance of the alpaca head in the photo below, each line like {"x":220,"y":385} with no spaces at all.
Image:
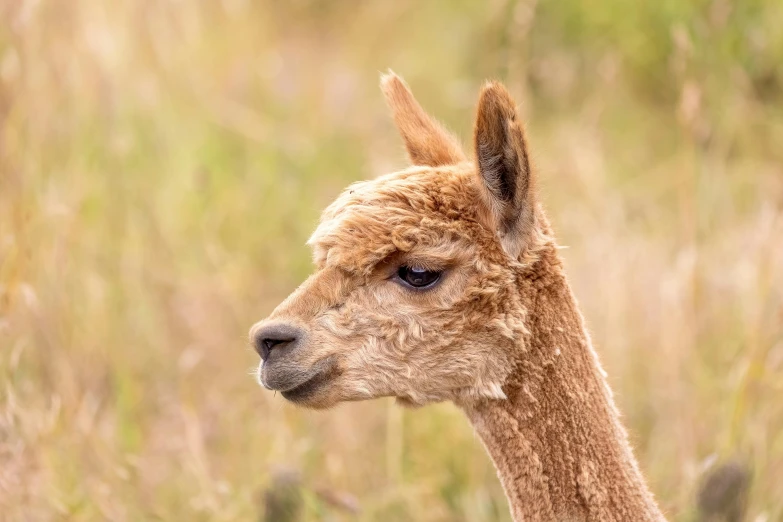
{"x":413,"y":294}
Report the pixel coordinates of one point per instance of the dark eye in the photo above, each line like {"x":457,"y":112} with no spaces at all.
{"x":416,"y":277}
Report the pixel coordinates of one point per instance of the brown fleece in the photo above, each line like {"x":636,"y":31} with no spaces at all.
{"x":557,"y":442}
{"x":499,"y":334}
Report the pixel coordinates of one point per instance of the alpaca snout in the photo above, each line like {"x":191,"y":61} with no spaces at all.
{"x":280,"y":337}
{"x":280,"y":346}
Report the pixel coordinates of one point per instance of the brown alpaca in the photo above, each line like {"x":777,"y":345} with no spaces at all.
{"x":443,"y":282}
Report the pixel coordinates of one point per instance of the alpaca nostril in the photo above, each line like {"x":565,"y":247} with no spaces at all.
{"x":275,"y":337}
{"x":268,"y":344}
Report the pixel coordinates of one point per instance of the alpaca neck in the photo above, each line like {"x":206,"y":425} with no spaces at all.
{"x":556,"y":441}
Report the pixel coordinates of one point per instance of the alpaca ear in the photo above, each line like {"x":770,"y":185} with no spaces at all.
{"x":426,"y":140}
{"x":504,"y":168}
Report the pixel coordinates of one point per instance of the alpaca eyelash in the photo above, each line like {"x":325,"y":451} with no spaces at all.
{"x":416,"y":277}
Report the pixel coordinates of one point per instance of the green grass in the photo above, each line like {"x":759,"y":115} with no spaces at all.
{"x":163,"y":163}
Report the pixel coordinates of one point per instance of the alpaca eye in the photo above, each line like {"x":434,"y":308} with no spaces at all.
{"x":417,"y":277}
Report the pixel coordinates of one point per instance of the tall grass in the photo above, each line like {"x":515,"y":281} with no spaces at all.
{"x":162,"y":164}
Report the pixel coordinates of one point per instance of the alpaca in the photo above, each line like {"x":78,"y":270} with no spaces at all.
{"x":443,"y":282}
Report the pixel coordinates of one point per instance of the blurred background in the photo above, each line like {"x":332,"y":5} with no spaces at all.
{"x":162,"y":164}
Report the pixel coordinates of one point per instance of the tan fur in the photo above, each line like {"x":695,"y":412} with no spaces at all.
{"x":500,"y":334}
{"x":426,"y":141}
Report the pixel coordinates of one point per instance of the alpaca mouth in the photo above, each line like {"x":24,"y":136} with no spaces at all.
{"x":294,"y":384}
{"x":310,"y":387}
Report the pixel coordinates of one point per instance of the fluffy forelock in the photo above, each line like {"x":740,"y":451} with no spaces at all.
{"x":416,"y":207}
